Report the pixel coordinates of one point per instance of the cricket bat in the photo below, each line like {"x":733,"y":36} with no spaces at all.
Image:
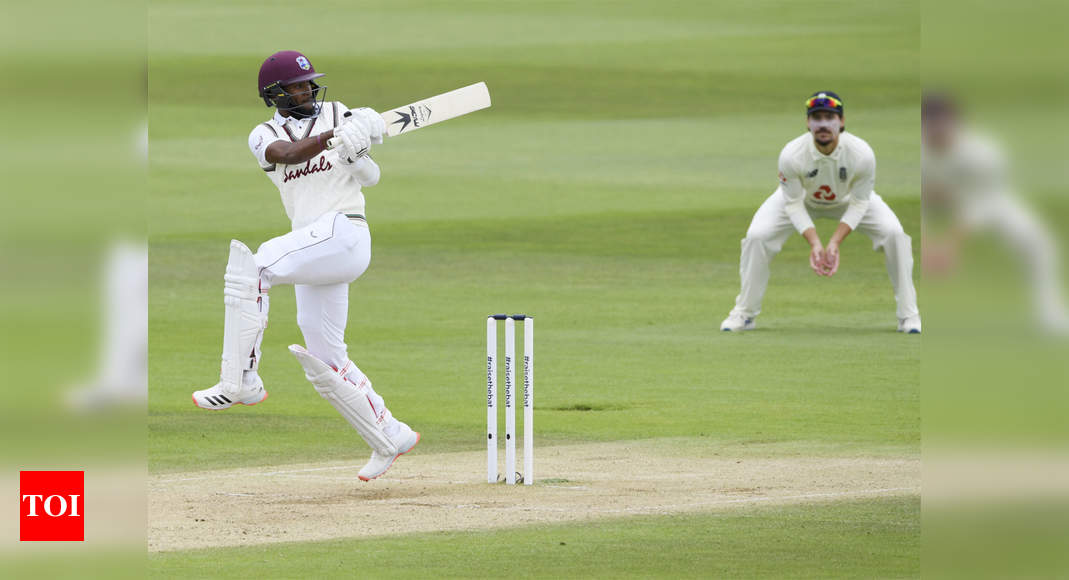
{"x":433,"y":110}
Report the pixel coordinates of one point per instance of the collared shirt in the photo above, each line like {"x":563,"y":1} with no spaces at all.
{"x":317,"y":186}
{"x":292,"y":127}
{"x":810,"y":179}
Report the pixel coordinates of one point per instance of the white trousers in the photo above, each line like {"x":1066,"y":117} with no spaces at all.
{"x":320,"y":260}
{"x":771,"y":227}
{"x":1036,"y":249}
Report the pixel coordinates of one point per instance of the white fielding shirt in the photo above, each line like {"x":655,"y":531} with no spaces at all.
{"x":970,"y":179}
{"x":323,"y":183}
{"x":810,"y":179}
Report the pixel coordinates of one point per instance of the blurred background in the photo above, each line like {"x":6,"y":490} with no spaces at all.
{"x":995,"y":386}
{"x":73,"y":300}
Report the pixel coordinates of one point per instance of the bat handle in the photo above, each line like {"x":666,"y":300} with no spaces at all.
{"x":334,"y":141}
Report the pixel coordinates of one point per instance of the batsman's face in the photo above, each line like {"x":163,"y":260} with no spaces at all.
{"x":825,"y":126}
{"x":302,"y":96}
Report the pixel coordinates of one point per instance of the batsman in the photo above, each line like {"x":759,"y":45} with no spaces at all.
{"x":328,"y":248}
{"x":824,"y":173}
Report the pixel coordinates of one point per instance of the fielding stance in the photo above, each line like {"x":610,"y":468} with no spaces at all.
{"x":329,"y":247}
{"x":826,"y":173}
{"x":966,"y":183}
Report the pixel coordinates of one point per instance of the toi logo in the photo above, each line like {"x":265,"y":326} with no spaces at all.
{"x":52,"y":506}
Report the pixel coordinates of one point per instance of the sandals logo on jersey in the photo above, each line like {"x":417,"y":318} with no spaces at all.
{"x":417,"y":116}
{"x":812,"y":174}
{"x":52,"y":506}
{"x":782,"y":179}
{"x":308,"y":169}
{"x":303,"y":63}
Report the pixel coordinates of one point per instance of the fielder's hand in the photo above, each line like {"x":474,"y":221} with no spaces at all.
{"x":816,"y":259}
{"x":938,"y":257}
{"x":355,"y":142}
{"x":831,"y":259}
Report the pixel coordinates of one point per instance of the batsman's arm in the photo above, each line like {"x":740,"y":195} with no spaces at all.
{"x":365,"y":170}
{"x":298,"y":151}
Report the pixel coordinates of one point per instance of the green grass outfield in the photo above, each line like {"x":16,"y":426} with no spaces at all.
{"x":605,"y":192}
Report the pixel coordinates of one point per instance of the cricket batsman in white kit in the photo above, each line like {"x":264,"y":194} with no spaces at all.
{"x":825,"y":173}
{"x":329,"y":248}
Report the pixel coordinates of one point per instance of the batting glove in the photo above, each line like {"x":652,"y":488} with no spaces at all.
{"x":355,"y":142}
{"x":372,"y":123}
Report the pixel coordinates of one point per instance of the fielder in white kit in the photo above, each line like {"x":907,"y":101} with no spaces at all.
{"x":329,"y":248}
{"x":825,"y":173}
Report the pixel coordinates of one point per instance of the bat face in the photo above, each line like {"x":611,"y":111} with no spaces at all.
{"x":414,"y":117}
{"x":433,"y":110}
{"x":436,"y":109}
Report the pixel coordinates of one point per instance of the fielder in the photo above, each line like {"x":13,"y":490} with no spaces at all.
{"x":966,"y":178}
{"x":329,"y":248}
{"x":825,"y":173}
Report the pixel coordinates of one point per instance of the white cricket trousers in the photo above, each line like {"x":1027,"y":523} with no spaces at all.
{"x":1036,"y":249}
{"x":320,"y":260}
{"x":771,"y":227}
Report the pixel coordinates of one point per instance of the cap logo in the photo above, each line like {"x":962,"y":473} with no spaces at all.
{"x":303,"y":63}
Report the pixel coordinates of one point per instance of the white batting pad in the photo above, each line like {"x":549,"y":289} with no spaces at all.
{"x":245,"y":317}
{"x":351,"y":400}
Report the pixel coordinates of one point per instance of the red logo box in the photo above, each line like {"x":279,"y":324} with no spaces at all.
{"x":52,"y":506}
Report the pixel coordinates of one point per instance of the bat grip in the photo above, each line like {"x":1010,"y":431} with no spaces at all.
{"x":334,"y":141}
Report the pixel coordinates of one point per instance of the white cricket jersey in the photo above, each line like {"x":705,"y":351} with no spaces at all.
{"x":321,"y":184}
{"x":810,"y":179}
{"x":968,"y":179}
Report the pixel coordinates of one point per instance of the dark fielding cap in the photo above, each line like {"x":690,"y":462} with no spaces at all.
{"x":824,"y":101}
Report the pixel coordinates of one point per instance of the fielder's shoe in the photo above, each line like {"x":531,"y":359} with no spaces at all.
{"x":380,"y":463}
{"x":910,"y":325}
{"x":252,"y":392}
{"x":736,"y":323}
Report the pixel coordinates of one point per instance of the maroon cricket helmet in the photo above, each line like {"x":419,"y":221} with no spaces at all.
{"x":281,"y":69}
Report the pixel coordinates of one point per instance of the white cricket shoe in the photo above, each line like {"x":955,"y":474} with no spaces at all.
{"x":736,"y":323}
{"x":910,"y":325}
{"x":215,"y":399}
{"x":378,"y":464}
